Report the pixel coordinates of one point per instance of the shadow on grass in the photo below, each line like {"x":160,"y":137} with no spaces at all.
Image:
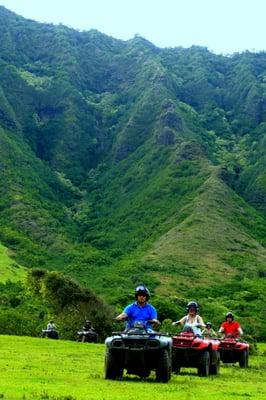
{"x":185,"y":373}
{"x":131,"y":378}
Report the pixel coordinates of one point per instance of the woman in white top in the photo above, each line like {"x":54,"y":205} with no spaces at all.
{"x":192,"y":319}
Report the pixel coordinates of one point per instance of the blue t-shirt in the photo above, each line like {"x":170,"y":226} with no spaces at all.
{"x":136,"y":313}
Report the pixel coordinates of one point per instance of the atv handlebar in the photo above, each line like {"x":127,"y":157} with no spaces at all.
{"x":125,"y":318}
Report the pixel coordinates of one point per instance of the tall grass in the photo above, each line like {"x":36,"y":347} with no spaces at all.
{"x":42,"y":369}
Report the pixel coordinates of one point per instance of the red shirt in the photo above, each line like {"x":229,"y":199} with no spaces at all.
{"x":231,"y":328}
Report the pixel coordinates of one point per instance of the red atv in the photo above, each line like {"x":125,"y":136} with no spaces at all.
{"x":233,"y":350}
{"x":190,"y":350}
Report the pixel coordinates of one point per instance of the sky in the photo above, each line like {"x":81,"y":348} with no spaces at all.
{"x":223,"y":26}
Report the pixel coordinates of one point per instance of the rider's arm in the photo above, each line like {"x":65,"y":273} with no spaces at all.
{"x":240,"y":331}
{"x":153,"y":316}
{"x":221,"y":332}
{"x":121,"y":317}
{"x":126,"y":313}
{"x":180,"y":321}
{"x":200,"y":322}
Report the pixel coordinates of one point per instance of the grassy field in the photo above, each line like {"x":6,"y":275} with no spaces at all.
{"x":43,"y":369}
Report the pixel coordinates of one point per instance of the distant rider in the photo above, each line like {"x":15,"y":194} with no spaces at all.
{"x":230,"y":327}
{"x":88,"y":333}
{"x":88,"y":326}
{"x":208,"y":331}
{"x":140,"y":311}
{"x":51,"y":326}
{"x":192,"y":319}
{"x":50,"y":331}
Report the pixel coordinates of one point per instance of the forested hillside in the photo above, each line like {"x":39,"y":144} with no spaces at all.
{"x":124,"y":163}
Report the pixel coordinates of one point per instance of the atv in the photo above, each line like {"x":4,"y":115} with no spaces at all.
{"x":50,"y":334}
{"x":189,"y":350}
{"x":88,"y":336}
{"x":234,"y":350}
{"x":138,"y":351}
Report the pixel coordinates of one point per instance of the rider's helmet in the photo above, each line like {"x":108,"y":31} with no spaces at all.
{"x":193,"y":304}
{"x":208,"y":324}
{"x":142,"y":290}
{"x":229,"y":315}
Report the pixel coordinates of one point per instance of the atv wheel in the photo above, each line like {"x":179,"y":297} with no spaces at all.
{"x":204,"y":364}
{"x":243,"y":360}
{"x":163,"y":370}
{"x":215,"y":368}
{"x":112,"y":369}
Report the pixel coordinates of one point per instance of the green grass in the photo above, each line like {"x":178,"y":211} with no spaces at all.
{"x":42,"y":369}
{"x":9,"y":269}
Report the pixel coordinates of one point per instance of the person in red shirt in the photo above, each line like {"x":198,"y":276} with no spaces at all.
{"x":230,"y":327}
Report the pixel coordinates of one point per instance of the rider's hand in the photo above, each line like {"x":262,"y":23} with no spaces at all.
{"x":120,"y":317}
{"x":154,"y":322}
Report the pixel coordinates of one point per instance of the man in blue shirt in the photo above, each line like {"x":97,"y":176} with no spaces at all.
{"x":140,"y":311}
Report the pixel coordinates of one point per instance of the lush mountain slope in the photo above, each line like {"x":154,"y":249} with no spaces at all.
{"x":121,"y":162}
{"x":217,"y":231}
{"x":10,"y":270}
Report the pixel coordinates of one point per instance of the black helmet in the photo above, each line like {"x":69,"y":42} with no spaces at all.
{"x":142,"y":290}
{"x":229,"y":314}
{"x":208,"y":324}
{"x":193,"y":304}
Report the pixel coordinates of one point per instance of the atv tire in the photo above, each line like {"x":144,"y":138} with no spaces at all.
{"x":112,"y":369}
{"x":204,"y":364}
{"x":215,"y":368}
{"x":243,"y":360}
{"x":163,"y":370}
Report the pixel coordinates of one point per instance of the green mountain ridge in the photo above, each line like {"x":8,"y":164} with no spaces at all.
{"x":124,"y":163}
{"x":221,"y":232}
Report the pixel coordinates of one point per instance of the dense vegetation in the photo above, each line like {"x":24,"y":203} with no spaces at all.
{"x":124,"y":163}
{"x":26,"y":308}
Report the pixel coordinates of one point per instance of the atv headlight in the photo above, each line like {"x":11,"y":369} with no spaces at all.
{"x":153,"y":344}
{"x":117,"y":343}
